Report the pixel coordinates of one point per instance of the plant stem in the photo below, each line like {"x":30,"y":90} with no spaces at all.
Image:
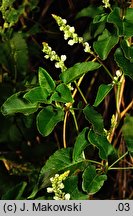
{"x":75,"y":120}
{"x":92,"y":161}
{"x":119,"y":93}
{"x":121,"y":168}
{"x":106,"y":69}
{"x":81,"y":93}
{"x":127,"y":108}
{"x":64,"y":130}
{"x":118,"y":160}
{"x":79,"y":82}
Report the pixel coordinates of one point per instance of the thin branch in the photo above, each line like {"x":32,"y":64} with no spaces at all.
{"x":127,"y":109}
{"x":118,"y":160}
{"x":64,"y":130}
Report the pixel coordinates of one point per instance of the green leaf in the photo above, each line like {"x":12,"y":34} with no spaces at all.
{"x":37,"y":95}
{"x":89,"y":11}
{"x":5,"y":58}
{"x":105,"y":43}
{"x":46,"y":81}
{"x":59,"y":162}
{"x":101,"y":142}
{"x":103,"y":90}
{"x":94,"y":118}
{"x":62,"y":94}
{"x":127,"y":131}
{"x":123,"y":24}
{"x":92,"y":182}
{"x":127,"y":49}
{"x":19,"y":53}
{"x":80,"y":145}
{"x":123,"y":63}
{"x":114,"y":17}
{"x":128,"y":23}
{"x":47,"y":119}
{"x":15,"y":104}
{"x":16,"y":192}
{"x":78,"y":70}
{"x":71,"y":187}
{"x":100,"y":18}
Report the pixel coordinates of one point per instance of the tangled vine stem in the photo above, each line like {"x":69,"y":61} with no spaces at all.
{"x":130,"y":106}
{"x":120,"y":158}
{"x":64,"y":130}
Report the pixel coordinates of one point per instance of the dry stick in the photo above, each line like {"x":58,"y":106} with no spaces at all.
{"x":117,"y":115}
{"x":121,"y":93}
{"x":127,"y":108}
{"x":79,"y":82}
{"x":64,"y":130}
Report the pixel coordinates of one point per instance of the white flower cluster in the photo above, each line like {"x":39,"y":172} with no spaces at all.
{"x":57,"y":186}
{"x":117,"y":76}
{"x":69,"y":33}
{"x":50,"y":54}
{"x":106,"y":3}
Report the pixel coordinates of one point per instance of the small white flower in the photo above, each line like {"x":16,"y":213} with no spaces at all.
{"x":57,"y":65}
{"x":50,"y":190}
{"x":75,"y":36}
{"x":53,"y":52}
{"x":56,"y":198}
{"x":64,"y":21}
{"x":118,"y":73}
{"x":52,"y":58}
{"x":80,"y":40}
{"x":63,"y":58}
{"x":71,"y":42}
{"x":67,"y":196}
{"x":66,"y":35}
{"x":72,"y":29}
{"x":46,"y":56}
{"x":61,"y":28}
{"x":87,"y":47}
{"x":51,"y":179}
{"x":115,"y":78}
{"x":106,"y":3}
{"x":61,"y":185}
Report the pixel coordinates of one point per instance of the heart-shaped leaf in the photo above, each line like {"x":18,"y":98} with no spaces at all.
{"x":47,"y":119}
{"x":16,"y":104}
{"x":62,"y":94}
{"x":127,"y":49}
{"x":105,"y":43}
{"x":46,"y":81}
{"x":75,"y":72}
{"x":101,"y":142}
{"x":36,"y":95}
{"x":114,"y":17}
{"x":80,"y":145}
{"x":123,"y":63}
{"x":103,"y":90}
{"x":71,"y":187}
{"x":16,"y":192}
{"x":127,"y":131}
{"x":94,"y":118}
{"x":92,"y":181}
{"x":123,"y":24}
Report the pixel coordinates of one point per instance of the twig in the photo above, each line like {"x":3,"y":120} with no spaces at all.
{"x":127,"y":108}
{"x":64,"y":130}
